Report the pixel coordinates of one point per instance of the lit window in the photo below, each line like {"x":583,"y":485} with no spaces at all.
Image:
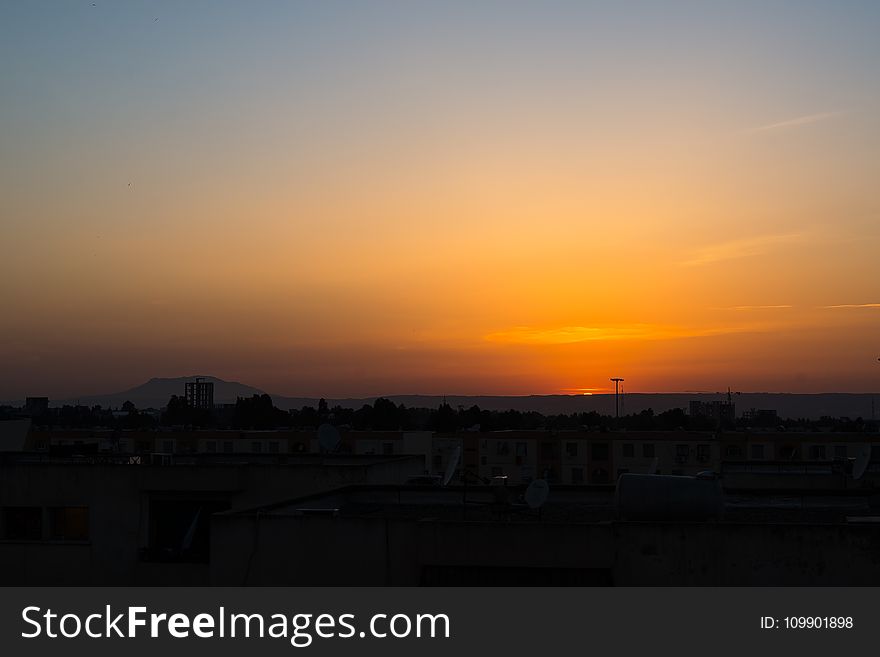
{"x":69,"y":523}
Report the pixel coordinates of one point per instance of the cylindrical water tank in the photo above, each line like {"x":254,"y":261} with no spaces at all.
{"x":667,"y":497}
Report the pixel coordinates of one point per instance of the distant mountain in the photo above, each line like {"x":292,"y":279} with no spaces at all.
{"x":155,"y":393}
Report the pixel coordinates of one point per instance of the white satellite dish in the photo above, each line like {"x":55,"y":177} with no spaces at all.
{"x":862,"y":461}
{"x":328,"y":437}
{"x":652,"y":469}
{"x":452,"y":466}
{"x":536,"y":493}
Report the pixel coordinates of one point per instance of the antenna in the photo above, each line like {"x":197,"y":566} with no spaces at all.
{"x":617,"y":381}
{"x":536,"y":494}
{"x":328,"y":437}
{"x":452,"y":466}
{"x":862,"y":461}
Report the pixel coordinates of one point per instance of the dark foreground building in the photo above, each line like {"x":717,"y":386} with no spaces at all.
{"x":125,"y":520}
{"x":368,"y":535}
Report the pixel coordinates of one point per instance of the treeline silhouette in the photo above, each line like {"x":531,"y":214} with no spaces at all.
{"x":259,"y":412}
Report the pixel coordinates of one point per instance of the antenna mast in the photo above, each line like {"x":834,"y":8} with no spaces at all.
{"x":617,"y":380}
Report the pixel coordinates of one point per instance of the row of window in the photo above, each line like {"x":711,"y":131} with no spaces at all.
{"x":814,"y":452}
{"x":598,"y":451}
{"x":600,"y":475}
{"x":228,"y":446}
{"x":34,"y":523}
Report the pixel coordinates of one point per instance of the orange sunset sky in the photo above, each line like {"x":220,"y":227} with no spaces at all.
{"x":343,"y":199}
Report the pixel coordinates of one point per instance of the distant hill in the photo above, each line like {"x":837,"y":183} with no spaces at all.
{"x":155,"y":393}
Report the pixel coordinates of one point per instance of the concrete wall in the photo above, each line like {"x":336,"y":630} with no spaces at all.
{"x":330,"y":551}
{"x":733,"y":554}
{"x":327,"y":550}
{"x":14,"y":434}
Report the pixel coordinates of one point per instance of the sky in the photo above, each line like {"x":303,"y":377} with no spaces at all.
{"x":351,"y":199}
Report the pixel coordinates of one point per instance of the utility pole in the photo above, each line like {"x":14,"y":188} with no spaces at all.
{"x":617,"y":381}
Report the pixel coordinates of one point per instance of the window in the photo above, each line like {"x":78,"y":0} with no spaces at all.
{"x":548,"y":451}
{"x":734,"y":451}
{"x":256,"y":447}
{"x":757,"y":451}
{"x":600,"y":452}
{"x":387,"y":448}
{"x":180,"y":529}
{"x":211,"y":446}
{"x":522,"y":449}
{"x":629,"y":450}
{"x":69,"y":523}
{"x":577,"y":476}
{"x":502,"y":448}
{"x":704,"y":453}
{"x":571,"y":449}
{"x":648,"y":450}
{"x":787,"y":452}
{"x":817,"y":451}
{"x":682,"y":453}
{"x":228,"y":447}
{"x":168,"y":446}
{"x":273,"y":447}
{"x":23,"y":523}
{"x":840,"y":451}
{"x":143,"y":446}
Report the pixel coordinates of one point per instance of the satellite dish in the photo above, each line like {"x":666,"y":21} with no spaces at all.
{"x":328,"y":437}
{"x":652,"y":469}
{"x":862,"y":460}
{"x":453,"y":465}
{"x":536,"y":493}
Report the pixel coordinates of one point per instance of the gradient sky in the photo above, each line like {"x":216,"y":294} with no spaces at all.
{"x":325,"y":198}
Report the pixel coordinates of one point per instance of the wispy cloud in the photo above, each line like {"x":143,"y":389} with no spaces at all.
{"x":574,"y":334}
{"x":743,"y":248}
{"x":796,"y":122}
{"x":776,"y":307}
{"x":852,"y":305}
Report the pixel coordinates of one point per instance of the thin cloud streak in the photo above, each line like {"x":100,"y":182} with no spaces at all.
{"x":575,"y":334}
{"x":738,"y":249}
{"x":776,"y":307}
{"x":851,"y":305}
{"x":797,"y":122}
